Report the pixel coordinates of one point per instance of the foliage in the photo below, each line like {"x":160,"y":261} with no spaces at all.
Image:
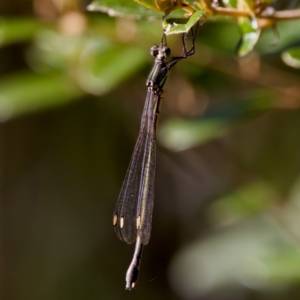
{"x":251,"y":16}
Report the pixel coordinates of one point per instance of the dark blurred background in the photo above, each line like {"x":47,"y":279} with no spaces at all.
{"x":226,"y":222}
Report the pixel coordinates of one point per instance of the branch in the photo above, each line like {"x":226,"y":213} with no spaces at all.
{"x":269,"y":14}
{"x":281,"y":15}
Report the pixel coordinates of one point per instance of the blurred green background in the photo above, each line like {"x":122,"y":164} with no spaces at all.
{"x":226,"y":222}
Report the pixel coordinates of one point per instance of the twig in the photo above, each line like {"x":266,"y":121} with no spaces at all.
{"x":268,"y":14}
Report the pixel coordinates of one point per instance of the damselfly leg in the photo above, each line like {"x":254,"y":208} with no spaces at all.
{"x":185,"y":51}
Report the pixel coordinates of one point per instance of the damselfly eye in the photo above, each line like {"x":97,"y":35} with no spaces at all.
{"x":167,"y":52}
{"x":154,"y":50}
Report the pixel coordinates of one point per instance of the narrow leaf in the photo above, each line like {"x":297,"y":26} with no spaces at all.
{"x":291,"y":57}
{"x":177,"y":26}
{"x":250,"y":36}
{"x":117,"y":8}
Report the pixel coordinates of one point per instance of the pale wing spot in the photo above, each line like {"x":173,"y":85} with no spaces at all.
{"x":122,"y":222}
{"x":115,"y":219}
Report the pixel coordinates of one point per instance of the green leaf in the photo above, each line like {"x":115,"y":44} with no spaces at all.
{"x":255,"y":254}
{"x":102,"y":72}
{"x":100,"y":64}
{"x":230,"y":3}
{"x":17,"y":30}
{"x":247,"y":200}
{"x":292,"y":57}
{"x":97,"y":74}
{"x":136,"y":9}
{"x":28,"y":92}
{"x":149,"y":4}
{"x":283,"y":266}
{"x":183,"y":25}
{"x":167,"y":6}
{"x":117,"y":8}
{"x":179,"y":134}
{"x":250,"y":36}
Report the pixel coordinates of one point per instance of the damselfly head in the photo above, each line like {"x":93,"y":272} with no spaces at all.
{"x":154,"y":50}
{"x":161,"y":52}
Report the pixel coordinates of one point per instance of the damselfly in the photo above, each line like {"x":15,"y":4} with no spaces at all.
{"x":133,"y":214}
